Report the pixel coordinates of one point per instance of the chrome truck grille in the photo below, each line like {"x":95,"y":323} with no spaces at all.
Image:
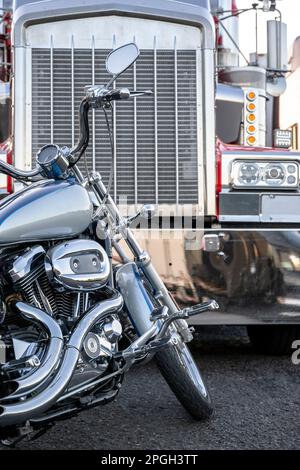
{"x":156,"y":148}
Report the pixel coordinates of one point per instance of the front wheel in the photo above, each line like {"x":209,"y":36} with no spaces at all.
{"x":180,"y":371}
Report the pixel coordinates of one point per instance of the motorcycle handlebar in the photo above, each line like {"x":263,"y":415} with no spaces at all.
{"x":124,"y":94}
{"x":10,"y":170}
{"x":95,"y":97}
{"x":119,"y":94}
{"x":106,"y":96}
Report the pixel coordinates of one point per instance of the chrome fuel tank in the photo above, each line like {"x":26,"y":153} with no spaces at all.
{"x":45,"y":210}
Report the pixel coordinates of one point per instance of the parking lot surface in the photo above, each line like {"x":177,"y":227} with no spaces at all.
{"x":257,"y":405}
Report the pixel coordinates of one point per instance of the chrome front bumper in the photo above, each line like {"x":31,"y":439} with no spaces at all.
{"x":255,"y":278}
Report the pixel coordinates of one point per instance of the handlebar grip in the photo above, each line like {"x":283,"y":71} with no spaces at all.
{"x":137,"y":93}
{"x":117,"y":94}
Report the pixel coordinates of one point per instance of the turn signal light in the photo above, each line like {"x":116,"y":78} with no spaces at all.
{"x":251,"y":129}
{"x":251,"y":117}
{"x":251,"y":140}
{"x":251,"y":95}
{"x":251,"y":107}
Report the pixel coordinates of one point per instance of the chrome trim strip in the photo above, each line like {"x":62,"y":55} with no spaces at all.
{"x":202,"y":180}
{"x":114,"y":45}
{"x":176,"y":121}
{"x":135,"y":136}
{"x":155,"y":120}
{"x":209,"y":128}
{"x":51,"y":87}
{"x":28,"y":112}
{"x":72,"y":90}
{"x":93,"y":111}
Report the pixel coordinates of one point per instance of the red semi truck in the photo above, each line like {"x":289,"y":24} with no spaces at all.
{"x":205,"y":141}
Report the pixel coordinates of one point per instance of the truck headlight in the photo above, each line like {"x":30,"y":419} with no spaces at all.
{"x":249,"y":174}
{"x":274,"y":174}
{"x":254,"y":174}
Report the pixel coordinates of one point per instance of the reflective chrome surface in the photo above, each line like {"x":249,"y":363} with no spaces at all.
{"x":52,"y":355}
{"x":32,"y":407}
{"x":137,"y":300}
{"x":148,"y":211}
{"x":113,"y":330}
{"x":44,"y":211}
{"x":255,"y":276}
{"x":53,"y":161}
{"x":23,"y":264}
{"x":81,"y":265}
{"x":122,"y":58}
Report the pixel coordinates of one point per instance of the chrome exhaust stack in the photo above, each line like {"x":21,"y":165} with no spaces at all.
{"x":18,"y":388}
{"x":22,"y":411}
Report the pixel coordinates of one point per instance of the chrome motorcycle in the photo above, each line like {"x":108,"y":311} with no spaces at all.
{"x":72,"y":321}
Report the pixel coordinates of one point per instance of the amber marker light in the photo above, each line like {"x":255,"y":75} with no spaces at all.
{"x":251,"y":117}
{"x":251,"y":140}
{"x":251,"y":129}
{"x":251,"y":95}
{"x":251,"y":107}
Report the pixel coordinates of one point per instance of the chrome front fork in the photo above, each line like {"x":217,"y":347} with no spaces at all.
{"x":142,"y":258}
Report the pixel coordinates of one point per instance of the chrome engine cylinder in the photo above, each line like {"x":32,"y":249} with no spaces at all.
{"x":22,"y":411}
{"x":55,"y":344}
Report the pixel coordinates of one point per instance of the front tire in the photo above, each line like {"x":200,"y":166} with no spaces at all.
{"x":180,"y":371}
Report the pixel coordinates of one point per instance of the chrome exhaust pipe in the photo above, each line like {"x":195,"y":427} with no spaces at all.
{"x":19,"y":387}
{"x":22,"y":411}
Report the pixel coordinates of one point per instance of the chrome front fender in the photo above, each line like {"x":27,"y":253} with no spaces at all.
{"x":136,"y":298}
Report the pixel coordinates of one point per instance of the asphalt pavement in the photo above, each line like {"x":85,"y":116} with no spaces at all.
{"x":257,"y":405}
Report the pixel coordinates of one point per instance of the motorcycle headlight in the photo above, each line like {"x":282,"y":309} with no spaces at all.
{"x":254,"y":174}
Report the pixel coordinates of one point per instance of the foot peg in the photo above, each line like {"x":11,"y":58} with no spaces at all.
{"x":185,"y":314}
{"x":152,"y":341}
{"x":188,"y":312}
{"x":208,"y":306}
{"x":161,"y":313}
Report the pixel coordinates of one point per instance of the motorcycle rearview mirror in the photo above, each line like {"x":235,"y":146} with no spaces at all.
{"x":121,"y":59}
{"x":148,"y":211}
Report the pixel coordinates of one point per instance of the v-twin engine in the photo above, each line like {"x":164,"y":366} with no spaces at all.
{"x":48,"y":382}
{"x":60,"y":279}
{"x":63,"y":328}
